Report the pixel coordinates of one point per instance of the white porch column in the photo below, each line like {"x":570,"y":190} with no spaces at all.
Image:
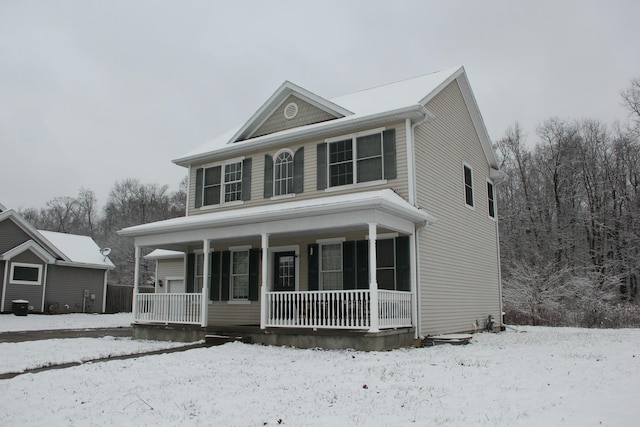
{"x":413,"y":259}
{"x":205,"y":282}
{"x":264,"y":307}
{"x":136,"y":281}
{"x":373,"y":279}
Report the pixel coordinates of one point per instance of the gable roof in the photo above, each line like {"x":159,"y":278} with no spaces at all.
{"x":399,"y":100}
{"x":62,"y":248}
{"x":32,"y":246}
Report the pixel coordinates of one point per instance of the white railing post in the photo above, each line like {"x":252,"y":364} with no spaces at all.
{"x":374,"y":325}
{"x":264,"y":306}
{"x":205,"y":283}
{"x":136,"y":282}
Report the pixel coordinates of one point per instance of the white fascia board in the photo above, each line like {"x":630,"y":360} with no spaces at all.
{"x":85,"y":265}
{"x":346,"y":124}
{"x":32,"y":246}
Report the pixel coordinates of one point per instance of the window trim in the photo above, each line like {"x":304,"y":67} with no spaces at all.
{"x":13,"y":281}
{"x":290,"y":192}
{"x":491,"y":201}
{"x":223,"y":184}
{"x":354,"y":160}
{"x":232,"y":250}
{"x":464,"y":183}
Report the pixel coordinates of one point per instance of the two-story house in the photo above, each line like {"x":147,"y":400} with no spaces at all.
{"x":365,"y":221}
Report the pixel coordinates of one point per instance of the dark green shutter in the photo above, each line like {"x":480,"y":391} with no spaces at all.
{"x":349,"y":265}
{"x":403,"y":264}
{"x":268,"y":176}
{"x":362,"y":264}
{"x":191,"y":267}
{"x":322,"y":166}
{"x":313,"y":253}
{"x":389,"y":150}
{"x":199,"y":179}
{"x":254,"y":269}
{"x":246,"y":179}
{"x":298,"y":170}
{"x":226,"y":273}
{"x":214,"y":290}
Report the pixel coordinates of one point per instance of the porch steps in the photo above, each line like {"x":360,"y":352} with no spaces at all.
{"x":215,"y":339}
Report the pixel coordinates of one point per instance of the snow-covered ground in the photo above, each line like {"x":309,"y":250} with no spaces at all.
{"x":40,"y":322}
{"x":539,"y":376}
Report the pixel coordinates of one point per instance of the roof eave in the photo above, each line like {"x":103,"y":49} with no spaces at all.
{"x":416,"y":111}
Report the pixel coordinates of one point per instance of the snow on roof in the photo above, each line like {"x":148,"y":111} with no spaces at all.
{"x":164,"y":254}
{"x":78,"y":249}
{"x":342,"y":203}
{"x":370,"y":102}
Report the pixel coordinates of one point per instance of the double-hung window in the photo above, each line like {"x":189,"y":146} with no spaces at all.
{"x":386,"y":264}
{"x":491,"y":200}
{"x":356,"y":159}
{"x":223,"y":183}
{"x":468,"y":185}
{"x":26,"y":274}
{"x":331,"y":266}
{"x":283,"y":174}
{"x":240,"y":275}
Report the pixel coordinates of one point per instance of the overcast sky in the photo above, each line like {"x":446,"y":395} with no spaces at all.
{"x":92,"y":92}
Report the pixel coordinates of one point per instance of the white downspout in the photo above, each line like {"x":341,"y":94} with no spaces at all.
{"x":104,"y":291}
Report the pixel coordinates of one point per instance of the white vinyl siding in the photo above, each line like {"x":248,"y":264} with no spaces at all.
{"x":458,"y":255}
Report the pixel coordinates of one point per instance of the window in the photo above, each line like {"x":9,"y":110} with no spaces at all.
{"x":491,"y":200}
{"x":283,"y":174}
{"x":198,"y":279}
{"x":26,"y":274}
{"x":240,"y":275}
{"x":223,"y":183}
{"x":366,"y":161}
{"x":468,"y":186}
{"x":386,"y":264}
{"x":331,"y":266}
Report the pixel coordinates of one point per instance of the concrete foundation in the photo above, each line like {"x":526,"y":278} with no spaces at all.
{"x":178,"y":333}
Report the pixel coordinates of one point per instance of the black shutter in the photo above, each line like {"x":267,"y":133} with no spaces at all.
{"x":191,"y":267}
{"x":246,"y":179}
{"x":214,"y":290}
{"x":389,"y":150}
{"x":226,"y":273}
{"x":199,"y":179}
{"x":403,"y":264}
{"x":254,"y":269}
{"x":349,"y":265}
{"x":322,"y":166}
{"x":313,"y":253}
{"x":362,"y":264}
{"x":298,"y":170}
{"x":268,"y":176}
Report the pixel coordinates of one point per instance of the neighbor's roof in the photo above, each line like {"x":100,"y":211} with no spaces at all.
{"x":406,"y":98}
{"x":164,"y":254}
{"x":78,"y":249}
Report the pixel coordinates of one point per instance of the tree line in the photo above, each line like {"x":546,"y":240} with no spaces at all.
{"x":570,"y":221}
{"x":130,"y":202}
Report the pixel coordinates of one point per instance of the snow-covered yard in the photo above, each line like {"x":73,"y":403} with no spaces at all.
{"x":41,"y":322}
{"x":539,"y":376}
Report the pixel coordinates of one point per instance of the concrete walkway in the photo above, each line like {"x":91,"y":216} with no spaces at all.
{"x":22,"y":336}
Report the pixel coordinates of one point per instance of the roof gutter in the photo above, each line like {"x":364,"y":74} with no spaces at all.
{"x":339,"y":125}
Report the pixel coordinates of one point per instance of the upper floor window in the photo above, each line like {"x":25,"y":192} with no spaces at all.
{"x":283,"y":174}
{"x":357,"y":158}
{"x":223,"y":183}
{"x":491,"y":200}
{"x":26,"y":274}
{"x":468,"y":185}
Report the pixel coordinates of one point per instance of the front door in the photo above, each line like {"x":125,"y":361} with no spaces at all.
{"x":284,"y":271}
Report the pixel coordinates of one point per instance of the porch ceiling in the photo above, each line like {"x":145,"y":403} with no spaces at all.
{"x":332,"y":213}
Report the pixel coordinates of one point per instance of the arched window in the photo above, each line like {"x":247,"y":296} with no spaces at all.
{"x":283,"y":174}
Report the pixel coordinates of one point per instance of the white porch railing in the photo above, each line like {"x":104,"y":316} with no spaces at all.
{"x":168,"y":308}
{"x":337,"y":309}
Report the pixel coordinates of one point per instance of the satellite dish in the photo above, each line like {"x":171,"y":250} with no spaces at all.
{"x":105,"y":251}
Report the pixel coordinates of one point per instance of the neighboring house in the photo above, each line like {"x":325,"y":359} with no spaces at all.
{"x":365,"y":221}
{"x":55,"y":272}
{"x":170,"y":271}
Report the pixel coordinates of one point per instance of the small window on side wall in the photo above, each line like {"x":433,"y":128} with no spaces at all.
{"x":26,"y":274}
{"x":468,"y":185}
{"x":491,"y":200}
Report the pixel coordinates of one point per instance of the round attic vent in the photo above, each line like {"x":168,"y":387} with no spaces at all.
{"x":291,"y":110}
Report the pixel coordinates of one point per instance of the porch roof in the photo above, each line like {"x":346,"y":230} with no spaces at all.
{"x":383,"y":207}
